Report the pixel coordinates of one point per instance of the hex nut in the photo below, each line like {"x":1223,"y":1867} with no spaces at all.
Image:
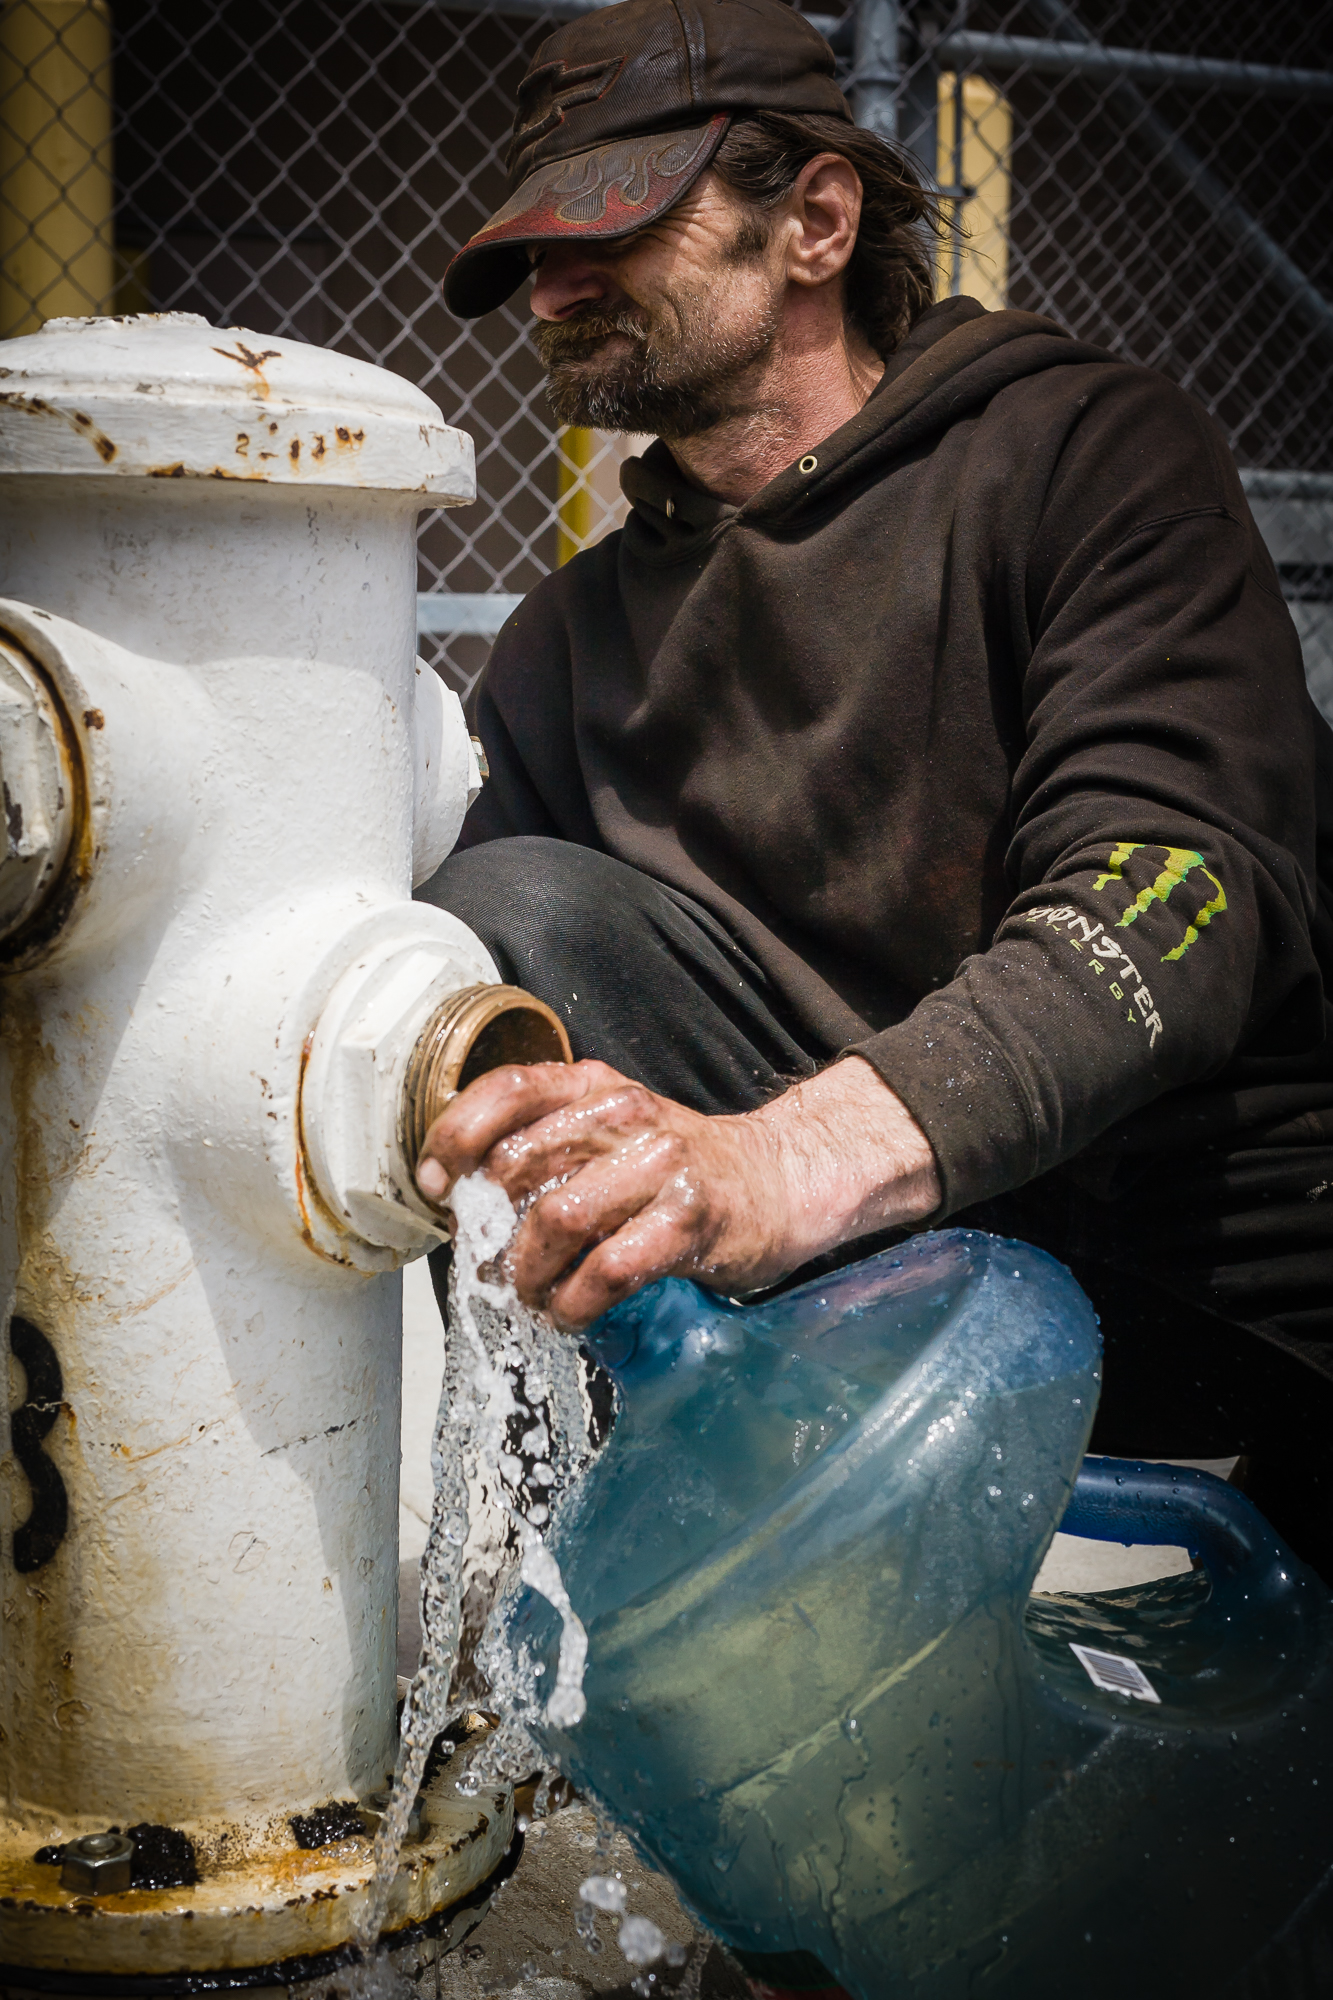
{"x":374,"y":1808}
{"x":98,"y":1864}
{"x":351,"y":1093}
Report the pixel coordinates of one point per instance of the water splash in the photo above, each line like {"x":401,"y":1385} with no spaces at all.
{"x":514,"y":1433}
{"x":641,"y":1942}
{"x":511,"y":1437}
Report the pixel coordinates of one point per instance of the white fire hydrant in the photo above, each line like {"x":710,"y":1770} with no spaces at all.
{"x":225,"y":1025}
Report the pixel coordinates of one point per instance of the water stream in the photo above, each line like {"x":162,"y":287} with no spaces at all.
{"x":511,"y":1436}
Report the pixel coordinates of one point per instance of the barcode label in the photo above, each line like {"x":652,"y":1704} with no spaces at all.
{"x":1114,"y":1673}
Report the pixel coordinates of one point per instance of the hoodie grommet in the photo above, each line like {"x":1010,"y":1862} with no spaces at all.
{"x":808,"y":464}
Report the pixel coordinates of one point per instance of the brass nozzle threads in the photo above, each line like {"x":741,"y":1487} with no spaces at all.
{"x":478,"y":1029}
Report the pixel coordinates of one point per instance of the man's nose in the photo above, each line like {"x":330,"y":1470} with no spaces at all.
{"x":567,"y":277}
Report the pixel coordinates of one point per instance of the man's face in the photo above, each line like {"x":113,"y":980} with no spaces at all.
{"x":659,"y":331}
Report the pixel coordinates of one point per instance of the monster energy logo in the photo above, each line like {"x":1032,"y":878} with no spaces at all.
{"x":1103,"y":951}
{"x":1180,"y":863}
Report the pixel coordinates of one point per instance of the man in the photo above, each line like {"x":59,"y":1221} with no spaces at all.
{"x":916,"y":813}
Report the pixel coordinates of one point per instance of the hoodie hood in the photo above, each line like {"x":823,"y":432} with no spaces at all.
{"x":956,"y":358}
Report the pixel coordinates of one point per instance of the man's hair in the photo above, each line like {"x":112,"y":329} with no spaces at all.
{"x":891,"y":277}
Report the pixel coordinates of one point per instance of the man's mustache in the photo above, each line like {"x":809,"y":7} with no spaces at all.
{"x":577,"y":338}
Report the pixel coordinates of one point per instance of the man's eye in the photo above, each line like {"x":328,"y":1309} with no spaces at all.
{"x":537,"y":256}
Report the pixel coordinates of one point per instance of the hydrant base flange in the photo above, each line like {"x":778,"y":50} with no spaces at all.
{"x":408,"y":1952}
{"x":259,"y":1902}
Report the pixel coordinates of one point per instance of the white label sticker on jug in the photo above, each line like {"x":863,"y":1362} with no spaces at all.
{"x":1115,"y":1673}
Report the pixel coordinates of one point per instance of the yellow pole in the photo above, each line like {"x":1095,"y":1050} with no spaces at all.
{"x":57,"y":255}
{"x":974,"y":258}
{"x":574,"y":496}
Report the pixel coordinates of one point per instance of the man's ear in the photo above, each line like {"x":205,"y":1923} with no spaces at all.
{"x":823,"y":213}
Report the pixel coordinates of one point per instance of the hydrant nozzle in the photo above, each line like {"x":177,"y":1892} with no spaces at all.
{"x":478,"y":1029}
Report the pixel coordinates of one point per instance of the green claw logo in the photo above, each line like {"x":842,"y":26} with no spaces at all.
{"x":1180,"y":862}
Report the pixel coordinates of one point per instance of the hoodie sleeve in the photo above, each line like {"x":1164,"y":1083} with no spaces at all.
{"x":1161,"y":856}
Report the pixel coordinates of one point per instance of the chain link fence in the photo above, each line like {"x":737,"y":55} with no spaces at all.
{"x":1154,"y":176}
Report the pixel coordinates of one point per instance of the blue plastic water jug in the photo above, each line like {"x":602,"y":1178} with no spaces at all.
{"x":820,"y":1697}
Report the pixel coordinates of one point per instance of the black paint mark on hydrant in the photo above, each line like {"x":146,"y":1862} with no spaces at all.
{"x":37,"y":1540}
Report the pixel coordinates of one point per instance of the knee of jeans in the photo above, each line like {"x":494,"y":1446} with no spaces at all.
{"x":536,"y":902}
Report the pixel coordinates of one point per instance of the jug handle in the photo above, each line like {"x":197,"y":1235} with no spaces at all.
{"x":1132,"y":1501}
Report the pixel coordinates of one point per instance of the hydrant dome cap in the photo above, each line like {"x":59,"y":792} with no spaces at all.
{"x":166,"y":395}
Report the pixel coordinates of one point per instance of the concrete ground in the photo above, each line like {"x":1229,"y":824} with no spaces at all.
{"x":528,"y":1942}
{"x":1073,"y":1565}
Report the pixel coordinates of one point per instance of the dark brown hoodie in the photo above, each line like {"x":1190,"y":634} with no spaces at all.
{"x":984,"y":729}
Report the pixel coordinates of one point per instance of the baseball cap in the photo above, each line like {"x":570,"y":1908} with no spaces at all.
{"x":621,"y":111}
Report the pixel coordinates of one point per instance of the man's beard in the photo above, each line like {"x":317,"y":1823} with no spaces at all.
{"x":677,"y":376}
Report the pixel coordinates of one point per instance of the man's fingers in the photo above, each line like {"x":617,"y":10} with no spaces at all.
{"x":653,"y":1244}
{"x":558,"y":1145}
{"x":591,"y":1205}
{"x":496,"y":1104}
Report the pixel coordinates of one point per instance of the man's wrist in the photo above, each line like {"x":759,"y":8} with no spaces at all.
{"x":854,"y":1157}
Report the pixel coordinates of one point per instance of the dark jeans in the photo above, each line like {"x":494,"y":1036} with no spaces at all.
{"x":650,"y":982}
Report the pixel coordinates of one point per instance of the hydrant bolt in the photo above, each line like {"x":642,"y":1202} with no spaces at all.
{"x":97,"y":1865}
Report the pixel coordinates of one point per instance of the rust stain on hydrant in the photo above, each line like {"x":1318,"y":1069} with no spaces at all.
{"x":78,"y":420}
{"x":252,"y":361}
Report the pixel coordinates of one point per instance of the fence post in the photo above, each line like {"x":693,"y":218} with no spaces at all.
{"x":876,"y":69}
{"x":55,"y":161}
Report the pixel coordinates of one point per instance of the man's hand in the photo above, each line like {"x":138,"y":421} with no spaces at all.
{"x":649,"y":1189}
